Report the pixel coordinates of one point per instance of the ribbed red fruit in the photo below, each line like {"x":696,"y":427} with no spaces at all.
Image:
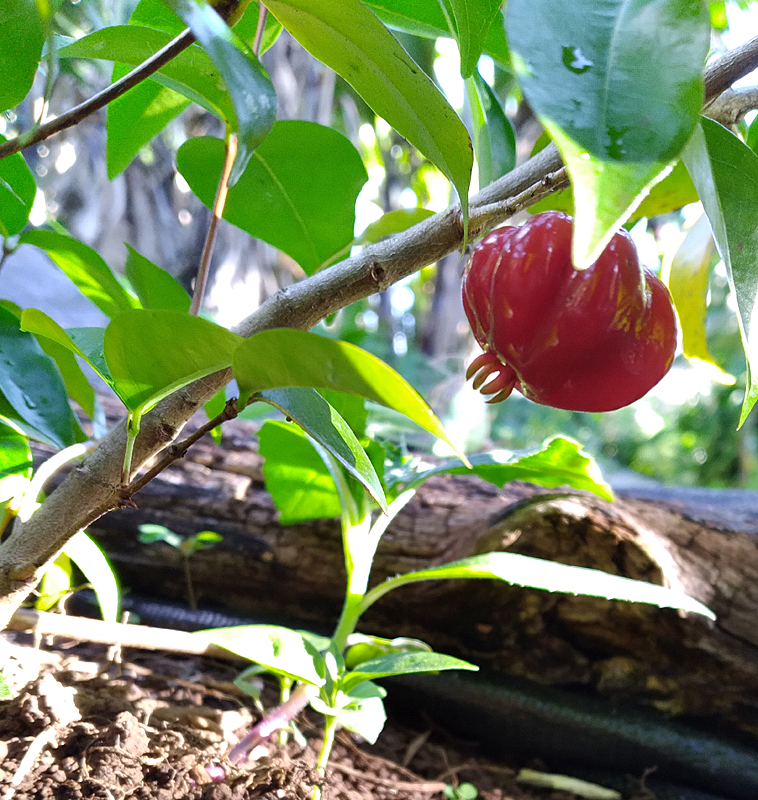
{"x":584,"y":340}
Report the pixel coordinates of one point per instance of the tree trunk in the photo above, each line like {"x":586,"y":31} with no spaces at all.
{"x":700,"y":540}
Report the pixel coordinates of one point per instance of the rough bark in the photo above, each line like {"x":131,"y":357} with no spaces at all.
{"x":703,"y":541}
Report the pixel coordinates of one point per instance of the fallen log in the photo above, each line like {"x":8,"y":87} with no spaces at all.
{"x":702,"y":541}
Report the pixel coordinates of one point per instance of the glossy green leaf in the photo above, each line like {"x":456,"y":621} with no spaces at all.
{"x":15,"y":457}
{"x":472,"y":22}
{"x":672,"y":192}
{"x":87,"y":343}
{"x":536,"y":573}
{"x":135,"y":118}
{"x":426,"y":18}
{"x":687,"y":279}
{"x":322,"y":422}
{"x":559,"y":462}
{"x":23,"y":36}
{"x":92,"y":276}
{"x":152,"y":353}
{"x":55,"y":584}
{"x":494,"y":137}
{"x":250,"y":88}
{"x":279,"y":358}
{"x":33,"y":388}
{"x":725,"y":172}
{"x":280,"y":650}
{"x":191,"y":74}
{"x":17,"y":191}
{"x":91,"y":561}
{"x":347,"y":37}
{"x":156,"y":288}
{"x":298,"y":192}
{"x":404,"y":664}
{"x":619,"y":86}
{"x":296,"y":477}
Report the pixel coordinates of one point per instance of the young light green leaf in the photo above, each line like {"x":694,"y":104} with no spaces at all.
{"x":153,"y":353}
{"x":670,"y":193}
{"x":150,"y":533}
{"x":559,"y":462}
{"x":494,"y":138}
{"x":280,"y":650}
{"x":156,"y":288}
{"x":323,"y":423}
{"x":55,"y":584}
{"x":392,"y":222}
{"x":404,"y":664}
{"x":23,"y":38}
{"x":280,"y":358}
{"x":87,"y":343}
{"x":77,"y":385}
{"x":15,"y":457}
{"x":536,"y":573}
{"x":725,"y":170}
{"x":91,"y":561}
{"x":426,"y":18}
{"x":365,"y":717}
{"x":687,"y":278}
{"x":92,"y":276}
{"x":33,"y":388}
{"x":213,"y":408}
{"x":347,"y":37}
{"x":619,"y":104}
{"x":473,"y":20}
{"x":298,"y":192}
{"x":296,"y":477}
{"x":17,"y":191}
{"x":250,"y":88}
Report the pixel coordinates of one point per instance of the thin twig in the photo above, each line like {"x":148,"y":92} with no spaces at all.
{"x":96,"y":102}
{"x":403,"y":786}
{"x":721,"y":73}
{"x":262,"y":14}
{"x":177,"y":451}
{"x":218,"y":211}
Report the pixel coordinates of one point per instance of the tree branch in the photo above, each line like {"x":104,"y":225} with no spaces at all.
{"x":96,"y":102}
{"x":93,"y":488}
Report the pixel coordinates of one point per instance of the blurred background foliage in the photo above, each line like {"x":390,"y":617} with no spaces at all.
{"x":683,"y":432}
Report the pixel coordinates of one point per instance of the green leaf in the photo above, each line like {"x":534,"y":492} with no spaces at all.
{"x":281,"y":650}
{"x":324,"y":424}
{"x":15,"y":455}
{"x":392,"y":222}
{"x":494,"y":138}
{"x":365,"y":716}
{"x":150,"y":533}
{"x":347,"y":37}
{"x":156,"y":288}
{"x":152,"y":353}
{"x":135,"y":118}
{"x":213,"y":408}
{"x":17,"y":191}
{"x":559,"y":462}
{"x":33,"y":388}
{"x":23,"y":36}
{"x":619,"y":103}
{"x":473,"y":20}
{"x":77,"y":385}
{"x":87,"y":343}
{"x":55,"y":584}
{"x":537,"y":573}
{"x":725,"y":172}
{"x":404,"y":664}
{"x":250,"y":88}
{"x":279,"y":358}
{"x":426,"y":18}
{"x":673,"y":192}
{"x":298,"y":192}
{"x":92,"y":276}
{"x":91,"y":561}
{"x":687,"y":279}
{"x":296,"y":477}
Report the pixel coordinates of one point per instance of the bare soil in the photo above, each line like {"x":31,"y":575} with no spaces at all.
{"x":158,"y":728}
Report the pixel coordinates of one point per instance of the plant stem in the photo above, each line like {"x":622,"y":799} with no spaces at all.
{"x":75,"y":115}
{"x":330,"y":729}
{"x":191,"y":600}
{"x":210,"y":239}
{"x":262,"y":14}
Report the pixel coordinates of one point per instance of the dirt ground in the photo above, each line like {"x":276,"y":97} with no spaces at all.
{"x":153,"y":727}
